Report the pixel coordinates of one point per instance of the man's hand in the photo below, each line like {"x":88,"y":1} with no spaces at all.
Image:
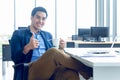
{"x":34,"y":43}
{"x":61,"y":44}
{"x":31,"y":45}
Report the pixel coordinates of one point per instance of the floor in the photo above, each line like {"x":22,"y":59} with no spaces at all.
{"x":6,"y":70}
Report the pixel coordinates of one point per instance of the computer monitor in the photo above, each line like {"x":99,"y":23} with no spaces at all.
{"x":74,"y":37}
{"x":84,"y":33}
{"x":98,"y":32}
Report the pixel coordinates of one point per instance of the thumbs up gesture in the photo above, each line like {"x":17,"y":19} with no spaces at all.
{"x":61,"y":44}
{"x":34,"y":43}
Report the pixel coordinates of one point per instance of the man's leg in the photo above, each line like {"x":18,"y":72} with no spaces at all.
{"x":71,"y":75}
{"x":63,"y":73}
{"x":44,"y":67}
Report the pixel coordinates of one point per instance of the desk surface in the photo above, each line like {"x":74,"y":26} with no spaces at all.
{"x":98,"y":59}
{"x":82,"y":42}
{"x":104,"y":68}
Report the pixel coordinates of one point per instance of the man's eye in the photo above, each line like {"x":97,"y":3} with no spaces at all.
{"x":43,"y":18}
{"x":38,"y":17}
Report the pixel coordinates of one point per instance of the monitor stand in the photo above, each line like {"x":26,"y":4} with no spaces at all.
{"x":98,"y":39}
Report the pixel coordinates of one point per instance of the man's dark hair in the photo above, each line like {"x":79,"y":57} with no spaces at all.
{"x":36,"y":9}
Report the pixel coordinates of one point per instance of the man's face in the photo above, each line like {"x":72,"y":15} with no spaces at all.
{"x":38,"y":20}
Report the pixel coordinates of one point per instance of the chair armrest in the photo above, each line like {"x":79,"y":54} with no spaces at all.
{"x":24,"y":67}
{"x":21,"y":65}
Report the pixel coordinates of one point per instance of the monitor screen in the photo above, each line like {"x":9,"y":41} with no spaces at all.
{"x":98,"y":32}
{"x":84,"y":33}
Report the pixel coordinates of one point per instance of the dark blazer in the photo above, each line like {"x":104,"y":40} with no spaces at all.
{"x":18,"y":40}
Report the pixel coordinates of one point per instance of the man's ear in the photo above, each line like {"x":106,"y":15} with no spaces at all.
{"x":31,"y":17}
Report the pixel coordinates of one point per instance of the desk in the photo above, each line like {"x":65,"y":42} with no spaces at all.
{"x":104,"y":68}
{"x":82,"y":44}
{"x":98,"y":44}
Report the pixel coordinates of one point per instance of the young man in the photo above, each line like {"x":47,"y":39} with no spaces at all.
{"x":34,"y":46}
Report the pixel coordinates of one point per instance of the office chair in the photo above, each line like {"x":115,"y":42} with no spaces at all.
{"x":6,"y":57}
{"x":23,"y":66}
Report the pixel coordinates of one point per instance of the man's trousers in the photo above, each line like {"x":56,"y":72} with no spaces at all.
{"x":57,"y":65}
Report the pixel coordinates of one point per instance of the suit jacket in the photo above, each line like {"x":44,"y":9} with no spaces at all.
{"x":18,"y":40}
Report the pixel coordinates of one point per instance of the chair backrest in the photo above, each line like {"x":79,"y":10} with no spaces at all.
{"x":6,"y":52}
